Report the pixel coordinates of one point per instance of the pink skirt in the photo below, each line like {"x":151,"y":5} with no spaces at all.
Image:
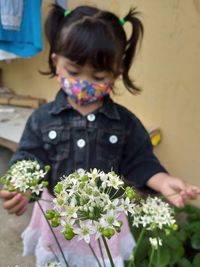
{"x":39,"y":240}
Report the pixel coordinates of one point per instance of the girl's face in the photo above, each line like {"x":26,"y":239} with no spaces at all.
{"x":69,"y":69}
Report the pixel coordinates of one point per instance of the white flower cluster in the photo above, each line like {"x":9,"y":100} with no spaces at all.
{"x":53,"y":264}
{"x":89,"y":203}
{"x":25,"y":175}
{"x":86,"y":204}
{"x":153,"y":213}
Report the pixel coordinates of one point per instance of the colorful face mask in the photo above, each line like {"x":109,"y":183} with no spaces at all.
{"x":83,"y":92}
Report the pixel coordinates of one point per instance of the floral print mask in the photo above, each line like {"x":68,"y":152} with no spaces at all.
{"x":82,"y":91}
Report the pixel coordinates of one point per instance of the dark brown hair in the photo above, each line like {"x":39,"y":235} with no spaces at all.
{"x":96,"y":37}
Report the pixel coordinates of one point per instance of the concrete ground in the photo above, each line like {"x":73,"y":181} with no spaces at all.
{"x":11,"y":227}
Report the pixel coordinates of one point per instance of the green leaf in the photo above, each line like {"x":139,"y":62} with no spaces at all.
{"x":184,"y":263}
{"x":195,"y":240}
{"x":181,"y":235}
{"x":171,"y":241}
{"x":144,"y":263}
{"x":176,"y":255}
{"x":143,"y":249}
{"x":196,"y":261}
{"x":195,"y":226}
{"x":190,"y":210}
{"x":164,"y":256}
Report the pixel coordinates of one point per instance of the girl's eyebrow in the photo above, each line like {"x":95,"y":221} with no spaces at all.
{"x":74,"y":65}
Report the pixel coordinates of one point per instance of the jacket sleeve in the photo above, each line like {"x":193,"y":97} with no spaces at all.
{"x":139,"y":163}
{"x":31,"y":145}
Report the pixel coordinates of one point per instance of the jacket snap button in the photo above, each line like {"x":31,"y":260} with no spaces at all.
{"x":52,"y":134}
{"x":91,"y":117}
{"x":81,"y":143}
{"x":113,"y":139}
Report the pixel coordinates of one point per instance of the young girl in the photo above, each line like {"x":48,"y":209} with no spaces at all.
{"x":83,"y":128}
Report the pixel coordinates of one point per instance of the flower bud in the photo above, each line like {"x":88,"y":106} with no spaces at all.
{"x":47,"y":168}
{"x":58,"y":188}
{"x":130,"y":193}
{"x":60,"y":202}
{"x":85,"y":178}
{"x":45,"y":183}
{"x":68,"y":233}
{"x":81,"y":185}
{"x":175,"y":227}
{"x":33,"y":183}
{"x":55,"y":222}
{"x":50,"y":214}
{"x":91,"y":215}
{"x":108,"y":232}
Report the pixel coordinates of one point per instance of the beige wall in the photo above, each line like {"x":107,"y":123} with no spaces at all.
{"x":166,"y":68}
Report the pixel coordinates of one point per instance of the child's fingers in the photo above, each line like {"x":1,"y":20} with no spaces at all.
{"x":19,"y":207}
{"x":196,"y":190}
{"x":11,"y":203}
{"x":6,"y":194}
{"x":178,"y":201}
{"x":20,"y":212}
{"x":191,"y":192}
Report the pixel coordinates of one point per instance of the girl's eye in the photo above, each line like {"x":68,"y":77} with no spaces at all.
{"x":72,"y":73}
{"x":99,"y":79}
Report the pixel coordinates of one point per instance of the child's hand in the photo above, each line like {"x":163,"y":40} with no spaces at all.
{"x":14,"y":203}
{"x":175,"y":190}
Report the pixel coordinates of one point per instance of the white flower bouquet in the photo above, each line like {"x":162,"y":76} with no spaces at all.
{"x":89,"y":203}
{"x":25,"y":175}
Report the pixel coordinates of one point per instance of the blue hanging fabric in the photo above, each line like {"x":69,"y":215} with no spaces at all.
{"x":11,"y":14}
{"x":24,"y":39}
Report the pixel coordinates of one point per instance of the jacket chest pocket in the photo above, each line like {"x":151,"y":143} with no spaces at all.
{"x":110,"y":145}
{"x":56,"y":142}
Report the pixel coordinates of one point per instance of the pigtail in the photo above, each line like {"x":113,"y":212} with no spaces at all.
{"x":52,"y":28}
{"x":131,"y":46}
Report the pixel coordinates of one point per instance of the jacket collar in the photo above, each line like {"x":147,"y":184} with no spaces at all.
{"x":61,"y":103}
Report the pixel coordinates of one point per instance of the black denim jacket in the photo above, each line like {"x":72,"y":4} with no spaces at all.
{"x":109,"y":138}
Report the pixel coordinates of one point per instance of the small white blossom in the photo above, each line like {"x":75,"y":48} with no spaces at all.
{"x":94,"y":173}
{"x":114,"y":181}
{"x":127,"y":206}
{"x":109,"y":219}
{"x":53,"y":264}
{"x":85,"y":230}
{"x":155,"y":242}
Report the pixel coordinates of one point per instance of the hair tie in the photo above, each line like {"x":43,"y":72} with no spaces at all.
{"x":67,"y":13}
{"x":122,"y":21}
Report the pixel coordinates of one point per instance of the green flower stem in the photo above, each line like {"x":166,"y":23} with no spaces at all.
{"x":114,"y":194}
{"x":101,"y":251}
{"x":108,"y":251}
{"x":57,"y":242}
{"x":50,"y":247}
{"x":109,"y":190}
{"x":94,"y":254}
{"x":42,"y":199}
{"x":158,"y":251}
{"x":136,"y":248}
{"x":151,"y":257}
